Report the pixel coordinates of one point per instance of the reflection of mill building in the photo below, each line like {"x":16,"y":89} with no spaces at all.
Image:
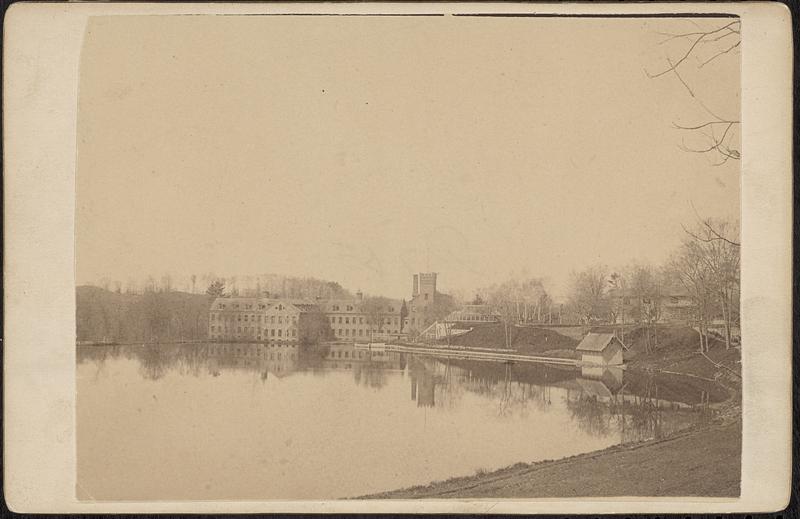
{"x":346,"y":356}
{"x":278,"y":359}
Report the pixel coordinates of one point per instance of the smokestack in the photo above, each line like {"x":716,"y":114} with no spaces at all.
{"x":415,"y":289}
{"x":360,"y":295}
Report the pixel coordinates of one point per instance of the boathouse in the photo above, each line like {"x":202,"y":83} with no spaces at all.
{"x":600,"y":349}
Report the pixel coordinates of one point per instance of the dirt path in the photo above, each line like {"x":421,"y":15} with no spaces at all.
{"x":703,"y":462}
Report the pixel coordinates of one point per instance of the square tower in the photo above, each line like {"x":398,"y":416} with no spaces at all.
{"x":426,"y":286}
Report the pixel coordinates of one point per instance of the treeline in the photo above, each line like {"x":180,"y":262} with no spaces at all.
{"x":702,"y":272}
{"x":699,"y":285}
{"x":273,"y":285}
{"x":521,"y":300}
{"x":107,"y":316}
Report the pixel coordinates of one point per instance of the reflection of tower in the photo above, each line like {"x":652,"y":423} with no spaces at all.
{"x":425,"y":397}
{"x":423,"y":383}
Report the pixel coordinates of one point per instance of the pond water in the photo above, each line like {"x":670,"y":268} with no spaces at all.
{"x":256,"y":421}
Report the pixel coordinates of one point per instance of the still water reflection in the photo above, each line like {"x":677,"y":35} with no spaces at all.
{"x":254,"y":421}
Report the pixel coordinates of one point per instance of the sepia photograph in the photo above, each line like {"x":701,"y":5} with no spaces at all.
{"x":314,"y":269}
{"x":335,"y":255}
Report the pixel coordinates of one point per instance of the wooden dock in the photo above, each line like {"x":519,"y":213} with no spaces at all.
{"x":479,"y":355}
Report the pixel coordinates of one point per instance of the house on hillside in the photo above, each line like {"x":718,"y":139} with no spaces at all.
{"x":672,"y":304}
{"x":600,"y":349}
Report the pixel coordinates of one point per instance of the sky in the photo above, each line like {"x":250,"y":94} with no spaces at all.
{"x":364,"y":149}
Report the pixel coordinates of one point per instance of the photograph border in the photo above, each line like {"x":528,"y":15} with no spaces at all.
{"x":41,"y":59}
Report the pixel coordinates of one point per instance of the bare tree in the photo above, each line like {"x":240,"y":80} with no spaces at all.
{"x":533,"y":297}
{"x":166,"y":283}
{"x":375,"y":309}
{"x":619,"y":284}
{"x":694,"y":50}
{"x":509,"y":302}
{"x":588,"y":296}
{"x":691,"y":269}
{"x":645,"y":288}
{"x":717,"y":244}
{"x":707,"y":232}
{"x":503,"y":303}
{"x":519,"y":299}
{"x":131,"y":286}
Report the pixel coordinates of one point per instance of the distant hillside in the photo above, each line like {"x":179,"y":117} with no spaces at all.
{"x":102,"y":315}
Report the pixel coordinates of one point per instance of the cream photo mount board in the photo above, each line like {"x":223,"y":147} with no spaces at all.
{"x":42,"y":60}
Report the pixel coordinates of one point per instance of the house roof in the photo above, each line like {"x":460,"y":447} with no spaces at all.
{"x":227,"y":299}
{"x":595,"y":342}
{"x":358,"y":305}
{"x":305,"y":307}
{"x":301,"y":304}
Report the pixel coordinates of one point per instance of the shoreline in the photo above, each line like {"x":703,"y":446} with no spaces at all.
{"x":695,"y":461}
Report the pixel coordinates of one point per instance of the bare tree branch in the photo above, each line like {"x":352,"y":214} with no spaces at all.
{"x":702,"y":35}
{"x":703,"y":41}
{"x":704,"y":125}
{"x":718,"y":54}
{"x":718,"y":144}
{"x":715,"y":235}
{"x":685,"y":84}
{"x":731,"y":33}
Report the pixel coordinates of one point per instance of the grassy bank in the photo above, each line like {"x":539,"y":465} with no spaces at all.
{"x":524,"y":339}
{"x":703,"y":462}
{"x":678,"y":351}
{"x":670,"y":348}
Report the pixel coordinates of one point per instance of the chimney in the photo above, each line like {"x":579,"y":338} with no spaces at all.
{"x":360,"y":295}
{"x":415,"y":289}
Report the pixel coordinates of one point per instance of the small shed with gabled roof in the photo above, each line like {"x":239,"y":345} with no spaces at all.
{"x":601,"y":349}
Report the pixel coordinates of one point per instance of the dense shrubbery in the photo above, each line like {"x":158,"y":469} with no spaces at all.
{"x":315,"y":328}
{"x":152,"y":316}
